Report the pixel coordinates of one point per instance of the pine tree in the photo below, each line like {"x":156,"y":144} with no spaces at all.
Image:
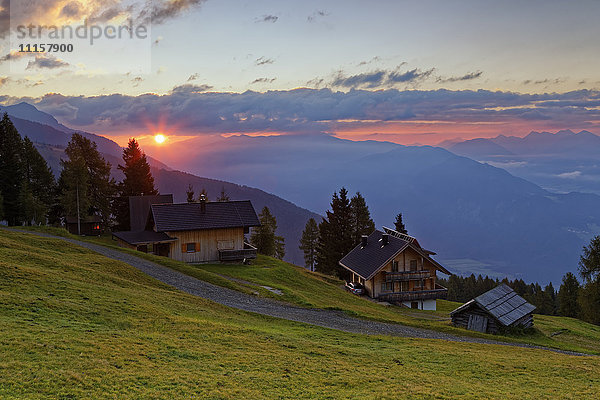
{"x":189,"y":193}
{"x":361,"y":217}
{"x":264,"y":237}
{"x":308,"y":243}
{"x":336,"y":235}
{"x":138,"y":181}
{"x":1,"y":207}
{"x":567,"y":296}
{"x":223,"y":196}
{"x":399,"y":224}
{"x":11,"y":170}
{"x":38,"y":189}
{"x":100,"y":187}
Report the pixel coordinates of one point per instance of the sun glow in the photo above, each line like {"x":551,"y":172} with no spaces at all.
{"x":160,"y":138}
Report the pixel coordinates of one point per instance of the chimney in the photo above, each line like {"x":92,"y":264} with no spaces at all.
{"x":202,"y":203}
{"x":364,"y":239}
{"x":385,"y":239}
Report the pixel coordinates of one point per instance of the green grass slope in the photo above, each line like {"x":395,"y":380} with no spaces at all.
{"x":75,"y":325}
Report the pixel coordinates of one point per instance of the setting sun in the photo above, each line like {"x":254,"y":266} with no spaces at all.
{"x":159,"y":138}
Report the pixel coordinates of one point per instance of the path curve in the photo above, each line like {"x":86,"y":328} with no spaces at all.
{"x":324,"y":318}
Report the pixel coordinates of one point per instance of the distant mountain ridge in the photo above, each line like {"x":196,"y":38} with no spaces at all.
{"x":561,"y":162}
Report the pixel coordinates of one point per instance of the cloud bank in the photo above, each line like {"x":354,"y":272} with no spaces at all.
{"x":195,"y":111}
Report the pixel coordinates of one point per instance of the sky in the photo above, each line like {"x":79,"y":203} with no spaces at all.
{"x":404,"y":71}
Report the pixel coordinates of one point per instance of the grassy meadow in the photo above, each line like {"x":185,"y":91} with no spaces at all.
{"x":76,"y":325}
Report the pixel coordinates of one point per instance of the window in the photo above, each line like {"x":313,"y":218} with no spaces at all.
{"x":190,"y":247}
{"x":413,"y":265}
{"x":394,"y":266}
{"x":387,"y":286}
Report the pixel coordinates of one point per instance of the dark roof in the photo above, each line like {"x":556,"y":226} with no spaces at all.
{"x":139,"y":207}
{"x":218,"y":215}
{"x":503,"y":303}
{"x":367,"y":261}
{"x":143,"y":237}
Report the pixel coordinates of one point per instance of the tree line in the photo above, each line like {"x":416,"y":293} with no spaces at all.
{"x":324,"y":244}
{"x":30,"y":195}
{"x":572,"y":299}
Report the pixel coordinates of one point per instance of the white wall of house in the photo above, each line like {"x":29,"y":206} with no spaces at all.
{"x":429,"y":305}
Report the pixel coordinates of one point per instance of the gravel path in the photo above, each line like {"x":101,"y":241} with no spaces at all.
{"x":231,"y":298}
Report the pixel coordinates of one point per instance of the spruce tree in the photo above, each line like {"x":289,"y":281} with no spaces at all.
{"x":11,"y":170}
{"x":399,"y":224}
{"x":1,"y":207}
{"x":567,"y":296}
{"x":336,"y":235}
{"x":138,"y":181}
{"x":308,"y":243}
{"x":361,"y":217}
{"x":264,"y":237}
{"x":38,"y":189}
{"x":589,"y":268}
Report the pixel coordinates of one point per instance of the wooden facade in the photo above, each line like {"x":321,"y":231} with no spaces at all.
{"x":408,"y":276}
{"x":195,"y":232}
{"x":206,"y":244}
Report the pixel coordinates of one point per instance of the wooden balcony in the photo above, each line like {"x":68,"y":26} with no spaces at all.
{"x":247,"y":253}
{"x":407,"y":275}
{"x":439,"y":293}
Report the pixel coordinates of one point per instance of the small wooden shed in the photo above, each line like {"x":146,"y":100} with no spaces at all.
{"x":499,"y":307}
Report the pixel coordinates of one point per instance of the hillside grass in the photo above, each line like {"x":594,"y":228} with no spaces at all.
{"x":74,"y":324}
{"x":316,"y":290}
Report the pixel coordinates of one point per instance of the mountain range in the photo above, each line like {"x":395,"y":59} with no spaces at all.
{"x":561,"y":162}
{"x":477,"y":217}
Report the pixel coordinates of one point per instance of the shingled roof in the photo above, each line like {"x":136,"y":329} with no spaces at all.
{"x":367,"y":260}
{"x":190,"y":217}
{"x":503,"y":303}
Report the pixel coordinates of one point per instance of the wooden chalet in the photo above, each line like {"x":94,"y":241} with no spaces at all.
{"x":195,"y":232}
{"x":88,"y":226}
{"x":393,"y":267}
{"x":496,"y":308}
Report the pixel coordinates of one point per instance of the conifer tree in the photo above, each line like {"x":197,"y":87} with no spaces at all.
{"x":567,"y":296}
{"x":189,"y":193}
{"x":399,"y":224}
{"x":264,"y":237}
{"x":38,"y":188}
{"x":138,"y":181}
{"x":308,"y":243}
{"x":361,"y":217}
{"x":589,"y":268}
{"x":336,"y":235}
{"x":1,"y":208}
{"x":11,"y":170}
{"x":223,"y":196}
{"x":100,"y":187}
{"x":74,"y":184}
